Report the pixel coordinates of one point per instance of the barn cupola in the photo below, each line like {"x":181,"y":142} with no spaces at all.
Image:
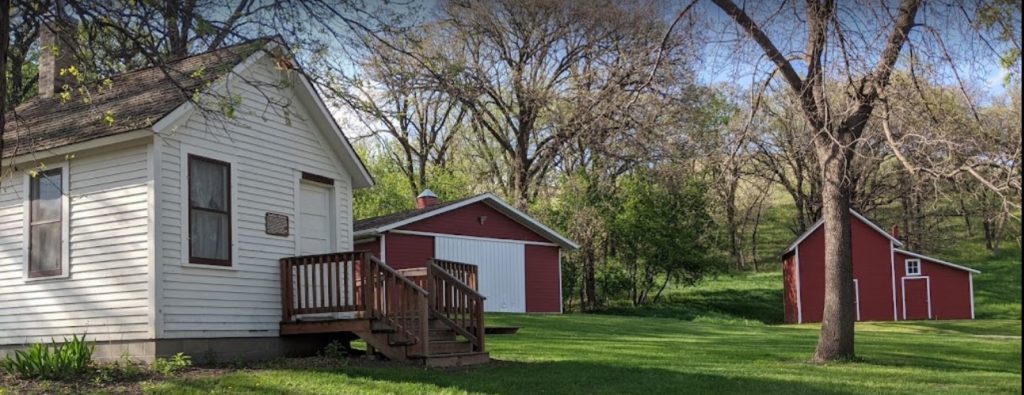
{"x":426,"y":199}
{"x":895,"y":232}
{"x":56,"y":54}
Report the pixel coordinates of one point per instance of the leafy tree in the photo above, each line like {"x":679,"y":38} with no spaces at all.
{"x":661,"y":233}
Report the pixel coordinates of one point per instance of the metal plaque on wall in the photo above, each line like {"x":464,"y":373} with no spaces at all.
{"x":277,"y":224}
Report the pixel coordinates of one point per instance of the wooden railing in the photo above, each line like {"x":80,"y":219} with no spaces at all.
{"x":360,"y":284}
{"x":455,"y":303}
{"x":465,"y":272}
{"x":318,"y":284}
{"x":399,"y":303}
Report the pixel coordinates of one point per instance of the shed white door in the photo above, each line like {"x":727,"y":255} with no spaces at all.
{"x":316,"y":224}
{"x":502,"y":266}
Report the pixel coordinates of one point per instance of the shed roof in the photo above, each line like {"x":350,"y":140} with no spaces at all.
{"x":384,"y":223}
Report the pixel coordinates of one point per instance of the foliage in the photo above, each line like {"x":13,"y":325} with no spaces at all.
{"x":122,"y":369}
{"x":335,"y":350}
{"x":57,"y":361}
{"x":661,"y":234}
{"x":176,"y":363}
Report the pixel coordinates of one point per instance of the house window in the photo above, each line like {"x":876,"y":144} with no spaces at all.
{"x":46,"y":226}
{"x":209,"y":211}
{"x":913,"y":267}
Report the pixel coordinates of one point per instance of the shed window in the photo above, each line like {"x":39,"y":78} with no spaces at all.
{"x":913,"y":267}
{"x":209,"y":211}
{"x":45,"y":224}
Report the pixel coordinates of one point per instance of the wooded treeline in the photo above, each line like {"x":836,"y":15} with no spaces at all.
{"x":670,"y":140}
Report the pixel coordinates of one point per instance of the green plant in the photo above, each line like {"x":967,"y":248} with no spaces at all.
{"x":178,"y":362}
{"x":334,"y":350}
{"x":58,"y":361}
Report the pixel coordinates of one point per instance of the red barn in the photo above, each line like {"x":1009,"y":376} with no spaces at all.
{"x":890,"y":284}
{"x":518,"y":258}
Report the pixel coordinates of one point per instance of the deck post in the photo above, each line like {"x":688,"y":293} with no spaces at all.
{"x":368,"y":285}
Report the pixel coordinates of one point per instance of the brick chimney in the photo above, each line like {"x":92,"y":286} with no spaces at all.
{"x":55,"y":54}
{"x":426,"y":199}
{"x":895,"y":232}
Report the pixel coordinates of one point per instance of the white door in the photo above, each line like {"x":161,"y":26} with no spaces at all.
{"x":316,"y":222}
{"x":502,"y":266}
{"x":316,"y":235}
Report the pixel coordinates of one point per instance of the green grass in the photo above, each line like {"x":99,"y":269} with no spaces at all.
{"x":602,"y":354}
{"x":717,"y":337}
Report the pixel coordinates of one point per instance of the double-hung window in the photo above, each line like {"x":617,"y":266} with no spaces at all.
{"x":46,"y":224}
{"x":209,"y":211}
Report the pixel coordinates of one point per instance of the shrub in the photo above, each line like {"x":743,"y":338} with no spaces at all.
{"x":166,"y":366}
{"x":335,"y":350}
{"x":58,"y":361}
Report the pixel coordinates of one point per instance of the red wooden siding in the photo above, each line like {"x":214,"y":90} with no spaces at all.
{"x":465,"y":221}
{"x":871,"y":268}
{"x":880,"y":274}
{"x":372,"y":246}
{"x":951,"y":289}
{"x":543,"y":290}
{"x":406,"y":251}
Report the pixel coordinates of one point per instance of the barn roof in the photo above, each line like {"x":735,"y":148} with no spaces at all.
{"x":856,"y":215}
{"x":136,"y":100}
{"x":938,"y":261}
{"x":377,"y":225}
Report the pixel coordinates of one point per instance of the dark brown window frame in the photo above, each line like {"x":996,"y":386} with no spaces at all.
{"x":227,"y":204}
{"x":317,"y":178}
{"x":33,"y":196}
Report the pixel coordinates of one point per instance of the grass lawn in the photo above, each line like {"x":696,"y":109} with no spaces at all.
{"x":618,"y":354}
{"x":718,"y":337}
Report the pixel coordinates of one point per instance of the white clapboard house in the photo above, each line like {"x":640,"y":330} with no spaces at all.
{"x":152,"y":227}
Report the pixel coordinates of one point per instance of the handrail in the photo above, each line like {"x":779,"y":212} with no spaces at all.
{"x":398,"y":302}
{"x":465,"y":272}
{"x":456,"y":304}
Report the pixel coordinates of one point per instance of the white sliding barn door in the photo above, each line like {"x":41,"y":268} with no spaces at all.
{"x":502,"y":266}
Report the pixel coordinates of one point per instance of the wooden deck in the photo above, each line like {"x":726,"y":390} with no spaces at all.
{"x":431,"y":316}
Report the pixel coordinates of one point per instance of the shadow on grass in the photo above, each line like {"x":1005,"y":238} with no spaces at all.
{"x":501,"y":377}
{"x":763,"y":305}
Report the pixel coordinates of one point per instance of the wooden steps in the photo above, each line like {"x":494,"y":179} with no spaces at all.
{"x":437,"y":321}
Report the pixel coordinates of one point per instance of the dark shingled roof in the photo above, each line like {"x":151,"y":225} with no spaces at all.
{"x":136,"y":100}
{"x":375,"y":222}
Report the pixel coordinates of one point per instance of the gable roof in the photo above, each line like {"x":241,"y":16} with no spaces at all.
{"x":857,"y":215}
{"x":136,"y":99}
{"x":938,"y":261}
{"x":155,"y":96}
{"x":384,"y":223}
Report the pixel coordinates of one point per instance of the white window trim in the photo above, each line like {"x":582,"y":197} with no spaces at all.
{"x":183,"y":176}
{"x":65,"y":220}
{"x":906,"y":267}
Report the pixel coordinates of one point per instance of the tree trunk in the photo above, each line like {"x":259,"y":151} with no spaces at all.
{"x":835,"y":342}
{"x":588,"y":299}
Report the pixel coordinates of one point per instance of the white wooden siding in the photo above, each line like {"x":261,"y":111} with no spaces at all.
{"x":105,"y":295}
{"x":269,"y":150}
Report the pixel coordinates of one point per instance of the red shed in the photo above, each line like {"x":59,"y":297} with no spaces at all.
{"x":518,"y":258}
{"x":890,"y":284}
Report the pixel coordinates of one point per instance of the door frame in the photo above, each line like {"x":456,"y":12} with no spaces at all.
{"x":332,"y":212}
{"x":928,"y":293}
{"x":856,"y":297}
